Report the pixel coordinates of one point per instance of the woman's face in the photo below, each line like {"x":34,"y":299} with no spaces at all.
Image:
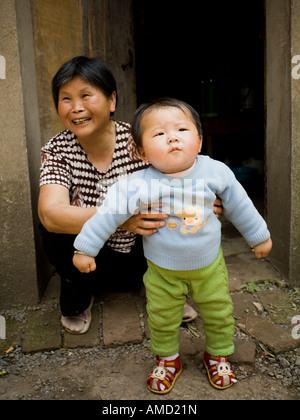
{"x":84,"y":109}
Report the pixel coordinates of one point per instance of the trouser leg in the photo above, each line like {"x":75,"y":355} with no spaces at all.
{"x":75,"y":292}
{"x":165,"y":299}
{"x":166,"y":293}
{"x":215,"y":307}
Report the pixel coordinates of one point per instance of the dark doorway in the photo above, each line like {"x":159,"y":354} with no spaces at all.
{"x":211,"y":54}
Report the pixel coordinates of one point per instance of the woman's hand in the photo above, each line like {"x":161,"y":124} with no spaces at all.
{"x":218,"y":208}
{"x":146,"y":223}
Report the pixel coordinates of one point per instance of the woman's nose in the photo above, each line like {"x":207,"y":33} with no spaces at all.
{"x":77,"y":106}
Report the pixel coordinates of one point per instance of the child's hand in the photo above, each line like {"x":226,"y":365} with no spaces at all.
{"x":262,"y":250}
{"x":84,"y":263}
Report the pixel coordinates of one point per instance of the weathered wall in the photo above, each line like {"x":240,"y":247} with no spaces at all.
{"x":18,"y":274}
{"x":57,"y":28}
{"x":120,"y":54}
{"x":295,"y":150}
{"x":282,"y":135}
{"x":64,"y":29}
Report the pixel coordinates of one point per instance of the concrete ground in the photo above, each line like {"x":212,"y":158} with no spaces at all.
{"x":39,"y":360}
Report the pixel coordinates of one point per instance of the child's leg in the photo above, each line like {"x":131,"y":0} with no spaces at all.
{"x":211,"y":292}
{"x":215,"y":306}
{"x":165,"y":299}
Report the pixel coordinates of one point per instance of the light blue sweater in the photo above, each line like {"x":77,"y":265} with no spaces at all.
{"x":192,"y":236}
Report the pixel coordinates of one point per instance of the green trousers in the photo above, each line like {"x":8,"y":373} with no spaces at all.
{"x":166,"y":292}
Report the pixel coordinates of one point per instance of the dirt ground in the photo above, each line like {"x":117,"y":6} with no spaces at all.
{"x":115,"y":373}
{"x":120,"y":373}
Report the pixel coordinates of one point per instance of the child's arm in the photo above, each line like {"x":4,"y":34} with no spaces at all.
{"x":96,"y":231}
{"x":262,"y":250}
{"x":240,"y":210}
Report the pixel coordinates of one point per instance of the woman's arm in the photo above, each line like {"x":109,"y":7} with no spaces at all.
{"x":57,"y":215}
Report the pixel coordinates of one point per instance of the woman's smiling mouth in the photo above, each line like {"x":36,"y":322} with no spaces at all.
{"x":80,"y":121}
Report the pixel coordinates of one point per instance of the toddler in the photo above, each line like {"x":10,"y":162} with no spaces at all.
{"x":185,"y":255}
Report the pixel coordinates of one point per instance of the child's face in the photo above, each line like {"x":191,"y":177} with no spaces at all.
{"x":170,"y":139}
{"x":84,"y":109}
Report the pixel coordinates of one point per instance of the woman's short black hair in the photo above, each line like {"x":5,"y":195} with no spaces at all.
{"x":136,"y":128}
{"x":94,"y":70}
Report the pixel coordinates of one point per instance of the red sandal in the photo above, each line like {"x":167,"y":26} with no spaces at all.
{"x":161,"y":380}
{"x":219,"y":371}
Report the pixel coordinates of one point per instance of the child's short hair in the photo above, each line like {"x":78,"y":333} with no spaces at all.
{"x":136,"y":128}
{"x":93,"y":70}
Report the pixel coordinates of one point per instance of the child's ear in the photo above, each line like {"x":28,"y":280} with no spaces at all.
{"x":141,"y":153}
{"x":133,"y":150}
{"x":200,"y":143}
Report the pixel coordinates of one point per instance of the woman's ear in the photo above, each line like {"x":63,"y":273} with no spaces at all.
{"x":113,"y":104}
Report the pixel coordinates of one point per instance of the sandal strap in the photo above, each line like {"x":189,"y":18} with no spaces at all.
{"x":176,"y":364}
{"x":85,"y":315}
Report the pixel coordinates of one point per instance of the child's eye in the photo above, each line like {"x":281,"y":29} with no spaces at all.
{"x":182,"y":129}
{"x":159,"y":134}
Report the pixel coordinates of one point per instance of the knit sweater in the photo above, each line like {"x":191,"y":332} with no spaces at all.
{"x":192,"y":236}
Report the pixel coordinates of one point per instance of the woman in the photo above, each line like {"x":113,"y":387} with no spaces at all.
{"x":78,"y":167}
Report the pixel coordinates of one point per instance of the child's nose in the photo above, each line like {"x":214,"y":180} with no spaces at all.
{"x":172,"y":139}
